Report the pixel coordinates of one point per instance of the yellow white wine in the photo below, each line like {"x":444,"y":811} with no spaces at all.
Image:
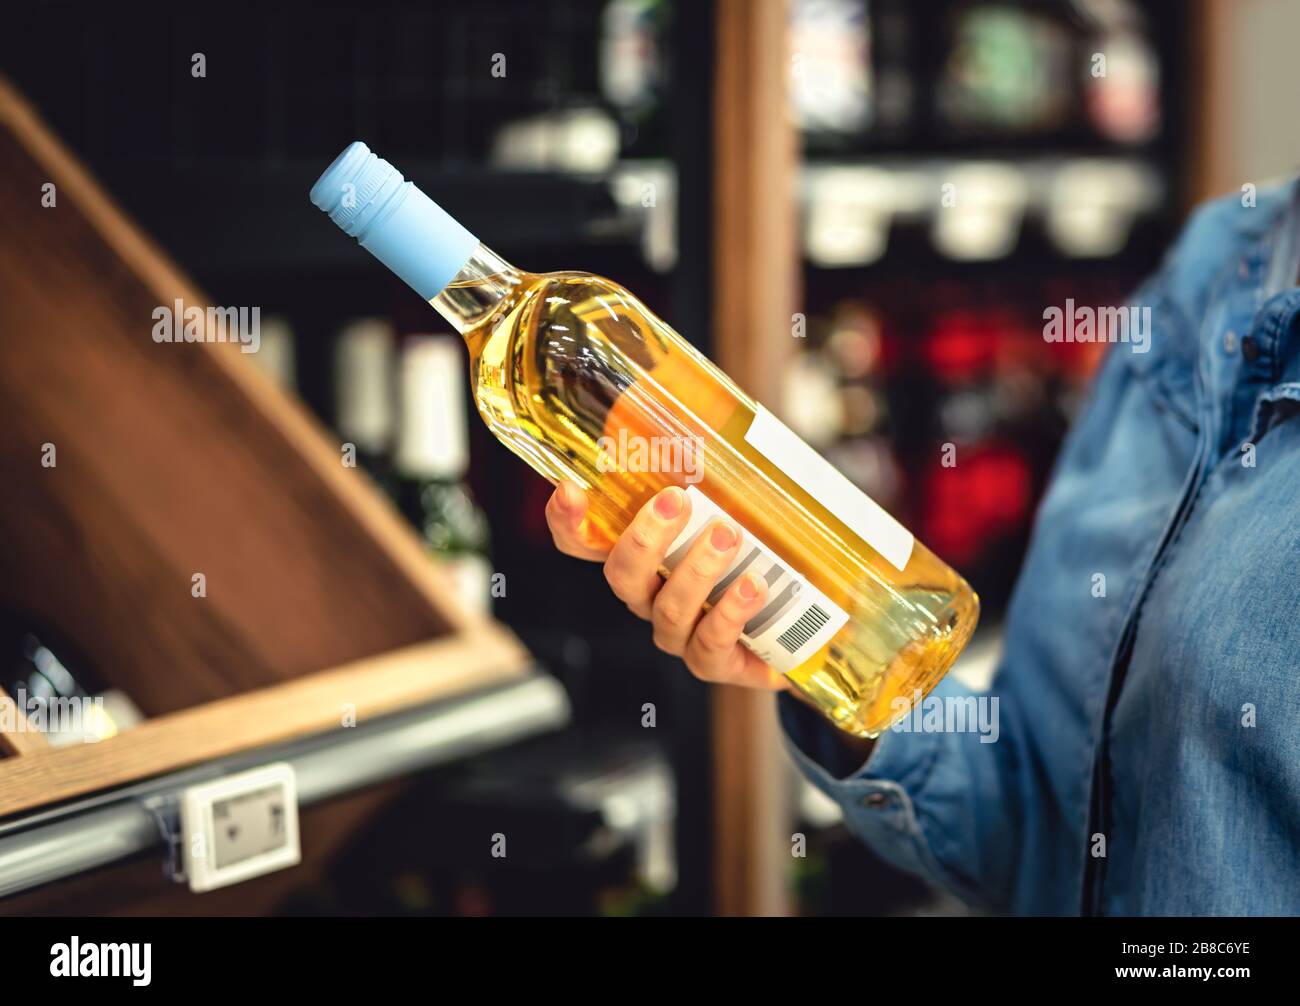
{"x":582,"y":381}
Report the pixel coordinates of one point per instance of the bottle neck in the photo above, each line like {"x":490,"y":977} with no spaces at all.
{"x":478,"y":291}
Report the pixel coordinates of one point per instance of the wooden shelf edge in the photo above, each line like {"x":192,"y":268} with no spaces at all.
{"x":480,"y":656}
{"x":20,"y":741}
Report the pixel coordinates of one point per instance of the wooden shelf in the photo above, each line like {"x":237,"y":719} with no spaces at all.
{"x":177,"y":459}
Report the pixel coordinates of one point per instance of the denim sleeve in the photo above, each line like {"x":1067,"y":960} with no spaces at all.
{"x":936,"y":804}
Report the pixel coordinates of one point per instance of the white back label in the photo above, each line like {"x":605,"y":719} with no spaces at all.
{"x":819,"y":479}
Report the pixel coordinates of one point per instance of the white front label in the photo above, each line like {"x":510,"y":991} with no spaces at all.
{"x":796,"y":619}
{"x":819,"y":479}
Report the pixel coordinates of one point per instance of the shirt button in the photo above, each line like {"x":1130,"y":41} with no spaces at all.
{"x":1250,"y":349}
{"x":1230,"y":341}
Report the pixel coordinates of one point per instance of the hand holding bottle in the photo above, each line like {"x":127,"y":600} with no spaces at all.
{"x":708,"y":641}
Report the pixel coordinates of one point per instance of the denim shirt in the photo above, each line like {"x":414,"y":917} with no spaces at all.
{"x":1147,"y":760}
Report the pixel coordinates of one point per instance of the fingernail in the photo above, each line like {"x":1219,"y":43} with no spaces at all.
{"x":722,"y":537}
{"x":748,"y":587}
{"x":668,"y":504}
{"x":569,"y":495}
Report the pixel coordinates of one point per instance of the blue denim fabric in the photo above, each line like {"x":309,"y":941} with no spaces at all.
{"x":1164,"y":716}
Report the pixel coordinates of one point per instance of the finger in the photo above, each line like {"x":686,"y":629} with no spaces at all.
{"x":680,"y":602}
{"x":714,"y":652}
{"x":632,"y":568}
{"x":566,"y":516}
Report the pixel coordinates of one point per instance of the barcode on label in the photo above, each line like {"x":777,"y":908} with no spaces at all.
{"x":803,"y":630}
{"x":796,"y":619}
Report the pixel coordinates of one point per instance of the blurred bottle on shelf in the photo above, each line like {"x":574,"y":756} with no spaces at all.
{"x":364,"y":392}
{"x":52,"y":689}
{"x":833,"y":397}
{"x":1008,"y":70}
{"x":983,"y":222}
{"x":959,"y":352}
{"x":634,"y":73}
{"x":856,"y":344}
{"x":1122,"y":82}
{"x":975,"y":490}
{"x":432,"y":459}
{"x":830,"y":86}
{"x":810,"y":399}
{"x":850,"y":77}
{"x":867,"y":453}
{"x":1093,"y":204}
{"x":848,"y":215}
{"x":276,"y":356}
{"x":579,"y":140}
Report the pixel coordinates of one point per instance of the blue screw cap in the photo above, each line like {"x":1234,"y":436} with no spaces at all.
{"x":393,"y":220}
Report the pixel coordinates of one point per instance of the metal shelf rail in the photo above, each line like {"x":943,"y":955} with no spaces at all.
{"x":61,"y":842}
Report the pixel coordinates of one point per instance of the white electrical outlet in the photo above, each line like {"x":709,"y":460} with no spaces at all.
{"x":240,"y":827}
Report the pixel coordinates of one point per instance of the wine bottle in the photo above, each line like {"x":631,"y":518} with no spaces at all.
{"x":431,"y":462}
{"x":364,"y":393}
{"x":276,"y":356}
{"x":51,"y":688}
{"x":577,"y":377}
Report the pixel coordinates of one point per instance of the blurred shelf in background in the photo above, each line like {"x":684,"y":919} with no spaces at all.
{"x":969,"y":168}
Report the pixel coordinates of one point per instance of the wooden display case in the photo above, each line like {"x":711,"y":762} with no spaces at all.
{"x":173,"y":460}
